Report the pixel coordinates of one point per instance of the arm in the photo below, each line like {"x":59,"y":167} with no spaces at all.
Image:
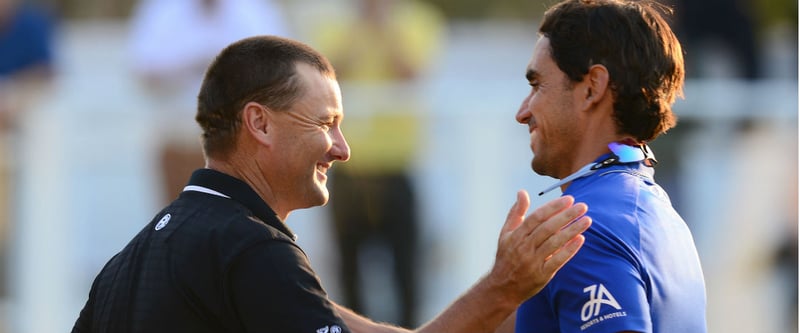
{"x":530,"y":250}
{"x":508,"y":325}
{"x":360,"y":324}
{"x":272,"y":288}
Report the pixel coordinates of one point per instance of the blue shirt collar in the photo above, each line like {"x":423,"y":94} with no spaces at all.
{"x":621,"y":154}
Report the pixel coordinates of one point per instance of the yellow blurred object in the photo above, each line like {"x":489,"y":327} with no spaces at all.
{"x":384,"y":142}
{"x":393,"y":41}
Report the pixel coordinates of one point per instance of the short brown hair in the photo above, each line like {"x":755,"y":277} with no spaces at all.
{"x":258,"y":69}
{"x":635,"y":44}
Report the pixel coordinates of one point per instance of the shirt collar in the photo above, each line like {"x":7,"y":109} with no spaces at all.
{"x":621,"y":154}
{"x":240,"y":192}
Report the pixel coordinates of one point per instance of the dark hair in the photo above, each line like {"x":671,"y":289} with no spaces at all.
{"x":635,"y":44}
{"x":258,"y":69}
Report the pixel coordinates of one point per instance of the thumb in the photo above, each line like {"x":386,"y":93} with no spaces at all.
{"x":517,"y":212}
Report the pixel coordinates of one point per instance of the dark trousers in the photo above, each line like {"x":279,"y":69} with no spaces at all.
{"x":381,"y":208}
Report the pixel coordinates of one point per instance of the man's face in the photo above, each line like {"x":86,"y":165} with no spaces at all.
{"x":308,"y":139}
{"x":550,"y":113}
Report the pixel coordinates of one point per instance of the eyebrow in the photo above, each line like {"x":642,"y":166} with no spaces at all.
{"x":332,"y":117}
{"x":531,"y":74}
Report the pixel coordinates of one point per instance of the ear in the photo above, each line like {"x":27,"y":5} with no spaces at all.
{"x":256,"y":122}
{"x":595,"y":84}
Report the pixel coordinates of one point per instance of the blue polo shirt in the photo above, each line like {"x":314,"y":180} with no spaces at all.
{"x":638,"y":270}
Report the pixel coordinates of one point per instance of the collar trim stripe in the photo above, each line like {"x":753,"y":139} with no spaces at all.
{"x":207,"y":190}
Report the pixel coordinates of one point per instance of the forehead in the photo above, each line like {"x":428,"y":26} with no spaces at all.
{"x":542,"y":63}
{"x":319,"y":89}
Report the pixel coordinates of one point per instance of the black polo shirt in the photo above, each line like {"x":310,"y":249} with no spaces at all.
{"x":217,"y":259}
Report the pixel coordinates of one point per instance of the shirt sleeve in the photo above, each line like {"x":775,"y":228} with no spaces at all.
{"x":600,"y":290}
{"x":273,"y":288}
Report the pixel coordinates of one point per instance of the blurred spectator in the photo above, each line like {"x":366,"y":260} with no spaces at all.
{"x":171,"y":43}
{"x":785,"y":257}
{"x":26,"y":66}
{"x":704,"y":26}
{"x":388,"y":44}
{"x":786,"y":266}
{"x":26,"y":40}
{"x":26,"y":54}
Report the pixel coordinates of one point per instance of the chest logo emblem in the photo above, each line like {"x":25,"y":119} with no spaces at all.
{"x":163,"y":222}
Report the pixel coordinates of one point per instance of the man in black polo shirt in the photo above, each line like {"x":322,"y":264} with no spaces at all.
{"x":220,"y":257}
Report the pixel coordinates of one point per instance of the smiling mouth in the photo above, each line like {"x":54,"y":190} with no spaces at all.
{"x":532,"y":128}
{"x":531,"y":125}
{"x":323,"y":168}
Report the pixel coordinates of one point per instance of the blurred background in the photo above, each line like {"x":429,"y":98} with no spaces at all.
{"x":97,"y":132}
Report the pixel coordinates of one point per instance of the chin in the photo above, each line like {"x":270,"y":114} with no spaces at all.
{"x":324,"y":201}
{"x":321,"y":196}
{"x":313,"y":198}
{"x":538,"y":168}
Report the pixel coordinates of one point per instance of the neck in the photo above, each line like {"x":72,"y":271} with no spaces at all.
{"x":247,"y":171}
{"x":622,"y":154}
{"x":589,"y":147}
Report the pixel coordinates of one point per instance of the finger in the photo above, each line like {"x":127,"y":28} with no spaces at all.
{"x":556,"y":222}
{"x":561,"y":241}
{"x":517,"y":212}
{"x":560,"y":258}
{"x":543,"y":213}
{"x":570,"y":248}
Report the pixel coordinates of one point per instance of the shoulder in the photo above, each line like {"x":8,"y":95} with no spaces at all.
{"x":612,"y":198}
{"x":216,"y":224}
{"x":615,"y":195}
{"x":278,"y":260}
{"x":606,"y":184}
{"x":615,"y":206}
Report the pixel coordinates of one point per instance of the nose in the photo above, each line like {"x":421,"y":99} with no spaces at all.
{"x":524,"y":113}
{"x":340,"y":149}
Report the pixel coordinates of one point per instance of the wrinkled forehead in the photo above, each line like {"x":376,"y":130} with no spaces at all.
{"x":319,"y":87}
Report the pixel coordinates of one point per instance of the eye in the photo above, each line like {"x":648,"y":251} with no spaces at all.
{"x":327,"y":124}
{"x":534,"y":85}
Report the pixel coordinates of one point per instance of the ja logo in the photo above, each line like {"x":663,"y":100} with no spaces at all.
{"x":598,"y":295}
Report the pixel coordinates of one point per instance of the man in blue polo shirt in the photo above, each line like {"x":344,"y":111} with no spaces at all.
{"x":604,"y":75}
